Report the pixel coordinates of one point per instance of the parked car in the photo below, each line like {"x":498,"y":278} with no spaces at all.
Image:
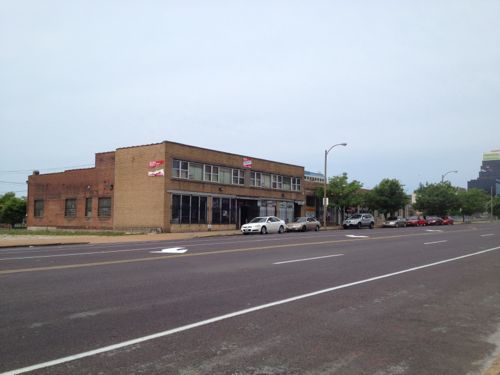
{"x":395,"y":222}
{"x":264,"y":225}
{"x":416,"y":221}
{"x":303,"y":223}
{"x":448,"y":220}
{"x":434,"y":220}
{"x":359,"y":221}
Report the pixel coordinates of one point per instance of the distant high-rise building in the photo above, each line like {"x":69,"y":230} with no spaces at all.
{"x":489,"y":175}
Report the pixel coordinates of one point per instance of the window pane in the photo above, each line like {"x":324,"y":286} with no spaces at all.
{"x":287,"y":183}
{"x":215,"y":174}
{"x":104,"y":207}
{"x":195,"y":209}
{"x":70,"y":208}
{"x":176,"y":209}
{"x":208,"y":173}
{"x":185,"y":209}
{"x":266,"y":181}
{"x":195,"y":171}
{"x":225,"y":211}
{"x":203,"y":210}
{"x":39,"y":205}
{"x":215,"y":210}
{"x":224,"y":175}
{"x":88,"y":207}
{"x":176,"y":168}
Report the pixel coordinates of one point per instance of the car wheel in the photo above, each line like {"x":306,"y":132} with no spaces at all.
{"x":359,"y":225}
{"x":304,"y":228}
{"x":372,"y":225}
{"x":345,"y":226}
{"x":317,"y":228}
{"x":263,"y":230}
{"x":281,"y":230}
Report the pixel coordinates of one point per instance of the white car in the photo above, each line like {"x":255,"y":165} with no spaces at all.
{"x":263,"y":225}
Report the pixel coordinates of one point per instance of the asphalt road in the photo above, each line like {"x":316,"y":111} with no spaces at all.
{"x":383,"y":301}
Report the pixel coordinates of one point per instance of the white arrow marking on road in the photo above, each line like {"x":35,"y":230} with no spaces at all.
{"x":354,"y":236}
{"x":172,"y":250}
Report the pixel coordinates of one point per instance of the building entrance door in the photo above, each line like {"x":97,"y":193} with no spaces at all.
{"x":247,"y":210}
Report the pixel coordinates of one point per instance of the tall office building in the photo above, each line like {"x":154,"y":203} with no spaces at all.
{"x":489,"y":175}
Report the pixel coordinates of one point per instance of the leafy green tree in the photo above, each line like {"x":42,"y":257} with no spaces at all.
{"x":12,"y":209}
{"x":437,"y":199}
{"x":387,"y":197}
{"x":496,"y":206}
{"x":472,"y":201}
{"x":342,"y":193}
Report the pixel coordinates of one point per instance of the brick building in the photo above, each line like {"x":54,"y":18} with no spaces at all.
{"x":167,"y":187}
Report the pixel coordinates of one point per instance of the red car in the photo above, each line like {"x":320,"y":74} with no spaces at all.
{"x":448,"y":220}
{"x":415,"y":221}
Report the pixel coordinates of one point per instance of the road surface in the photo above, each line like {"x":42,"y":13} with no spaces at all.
{"x":384,"y":301}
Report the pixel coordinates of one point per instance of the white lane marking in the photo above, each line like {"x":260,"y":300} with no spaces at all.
{"x":432,"y":243}
{"x":78,"y":254}
{"x":172,"y":250}
{"x":433,"y":230}
{"x":169,"y":332}
{"x":487,"y":235}
{"x":304,"y":260}
{"x":354,"y":236}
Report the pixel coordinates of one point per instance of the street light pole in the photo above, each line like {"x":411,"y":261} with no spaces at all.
{"x":444,"y":175}
{"x":325,"y":203}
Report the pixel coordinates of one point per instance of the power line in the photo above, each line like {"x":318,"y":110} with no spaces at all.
{"x":12,"y":182}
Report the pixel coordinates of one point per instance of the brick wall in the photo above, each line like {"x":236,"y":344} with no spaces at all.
{"x":139,"y":199}
{"x":79,"y":184}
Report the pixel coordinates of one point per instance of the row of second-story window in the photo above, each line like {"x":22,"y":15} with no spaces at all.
{"x":224,"y":175}
{"x":70,"y":204}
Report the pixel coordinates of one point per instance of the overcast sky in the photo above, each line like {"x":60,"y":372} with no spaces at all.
{"x":413,"y":87}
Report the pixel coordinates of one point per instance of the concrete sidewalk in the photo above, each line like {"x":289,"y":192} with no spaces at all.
{"x":48,"y":240}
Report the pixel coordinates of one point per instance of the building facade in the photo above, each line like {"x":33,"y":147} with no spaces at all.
{"x":167,"y":187}
{"x":489,"y":175}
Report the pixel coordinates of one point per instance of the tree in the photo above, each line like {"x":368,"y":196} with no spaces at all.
{"x":342,"y":193}
{"x":387,"y":197}
{"x":12,"y":209}
{"x":436,"y":199}
{"x":472,"y":201}
{"x":496,"y":206}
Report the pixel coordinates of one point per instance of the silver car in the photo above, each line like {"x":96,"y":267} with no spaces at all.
{"x":395,"y":222}
{"x":303,"y":224}
{"x":359,"y":221}
{"x":264,"y":225}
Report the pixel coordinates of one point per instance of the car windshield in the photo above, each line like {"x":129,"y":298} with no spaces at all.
{"x":357,"y":216}
{"x":413,"y":218}
{"x":258,"y":220}
{"x":299,"y":220}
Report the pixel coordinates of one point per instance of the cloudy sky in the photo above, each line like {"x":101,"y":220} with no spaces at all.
{"x":413,"y":87}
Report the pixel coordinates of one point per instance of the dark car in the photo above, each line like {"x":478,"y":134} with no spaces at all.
{"x":434,"y":220}
{"x":415,"y":221}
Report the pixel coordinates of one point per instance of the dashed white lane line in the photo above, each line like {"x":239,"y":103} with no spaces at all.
{"x":187,"y":327}
{"x":434,"y":242}
{"x":487,"y":235}
{"x":306,"y":259}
